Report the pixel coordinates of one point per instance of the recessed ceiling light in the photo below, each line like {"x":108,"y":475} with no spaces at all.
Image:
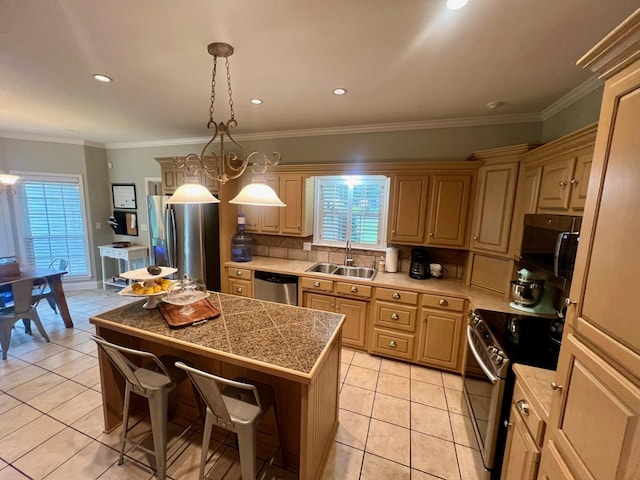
{"x":102,"y":78}
{"x":339,"y":91}
{"x":456,"y":4}
{"x":256,"y":101}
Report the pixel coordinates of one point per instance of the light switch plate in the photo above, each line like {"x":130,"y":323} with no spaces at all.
{"x":306,"y":246}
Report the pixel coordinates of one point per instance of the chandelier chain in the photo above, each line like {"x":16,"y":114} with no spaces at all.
{"x":213,"y":91}
{"x":226,"y":62}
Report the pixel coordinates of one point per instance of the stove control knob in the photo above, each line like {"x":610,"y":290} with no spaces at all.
{"x":497,"y":359}
{"x":492,"y":350}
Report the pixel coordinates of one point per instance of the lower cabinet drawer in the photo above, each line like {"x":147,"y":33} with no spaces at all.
{"x":243,"y":273}
{"x":388,"y":342}
{"x":316,"y":284}
{"x":440,"y":301}
{"x":241,"y":288}
{"x":400,"y":317}
{"x":529,"y":415}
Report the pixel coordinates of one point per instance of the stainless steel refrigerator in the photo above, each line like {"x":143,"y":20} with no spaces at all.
{"x":186,"y":237}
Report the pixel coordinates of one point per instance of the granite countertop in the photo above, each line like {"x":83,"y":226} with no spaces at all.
{"x":536,"y":382}
{"x":478,"y":297}
{"x":282,"y":336}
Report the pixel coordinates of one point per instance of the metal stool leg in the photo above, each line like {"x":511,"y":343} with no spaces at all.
{"x":158,"y":403}
{"x":247,"y":445}
{"x":206,"y":438}
{"x":38,"y":322}
{"x":125,"y":422}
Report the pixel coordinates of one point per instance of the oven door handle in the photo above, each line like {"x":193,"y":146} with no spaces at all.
{"x":487,"y":372}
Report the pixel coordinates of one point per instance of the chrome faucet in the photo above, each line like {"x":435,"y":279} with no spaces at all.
{"x":348,"y":257}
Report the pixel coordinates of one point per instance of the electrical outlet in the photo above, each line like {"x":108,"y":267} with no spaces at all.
{"x":98,"y":225}
{"x":143,"y":227}
{"x":306,"y":246}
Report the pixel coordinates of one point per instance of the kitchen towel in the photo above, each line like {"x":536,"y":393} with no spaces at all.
{"x":391,"y":263}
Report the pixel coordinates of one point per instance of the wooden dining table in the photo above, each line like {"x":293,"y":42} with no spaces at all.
{"x":54,"y":278}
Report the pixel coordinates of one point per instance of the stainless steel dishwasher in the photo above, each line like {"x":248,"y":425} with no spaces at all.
{"x":276,"y":287}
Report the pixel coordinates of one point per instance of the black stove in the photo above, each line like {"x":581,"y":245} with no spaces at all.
{"x":525,"y":339}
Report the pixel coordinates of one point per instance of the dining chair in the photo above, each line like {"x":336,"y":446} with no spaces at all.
{"x":61,"y":265}
{"x":152,"y":381}
{"x":24,"y":308}
{"x":237,"y":408}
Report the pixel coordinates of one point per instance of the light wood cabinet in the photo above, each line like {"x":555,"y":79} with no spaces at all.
{"x":172,"y":176}
{"x":394,"y":323}
{"x":594,"y":423}
{"x":526,"y":202}
{"x":296,"y":219}
{"x":440,"y":333}
{"x":521,"y":455}
{"x":408,"y":209}
{"x":565,"y":168}
{"x":448,"y":210}
{"x":240,"y":282}
{"x":341,"y":297}
{"x":494,"y":206}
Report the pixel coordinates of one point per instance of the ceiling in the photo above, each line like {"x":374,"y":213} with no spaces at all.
{"x":403,"y":61}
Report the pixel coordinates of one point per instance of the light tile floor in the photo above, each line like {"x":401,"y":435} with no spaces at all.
{"x":396,"y":421}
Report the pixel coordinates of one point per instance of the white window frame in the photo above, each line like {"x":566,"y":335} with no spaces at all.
{"x":19,"y":213}
{"x":383,"y":215}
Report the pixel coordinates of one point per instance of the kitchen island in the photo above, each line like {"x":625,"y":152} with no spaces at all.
{"x":296,"y":350}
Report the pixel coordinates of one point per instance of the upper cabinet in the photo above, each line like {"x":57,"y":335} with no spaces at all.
{"x":448,"y":210}
{"x":495,"y":197}
{"x":296,"y":219}
{"x":172,"y":176}
{"x":408,"y":207}
{"x":566,"y":165}
{"x":430,"y":209}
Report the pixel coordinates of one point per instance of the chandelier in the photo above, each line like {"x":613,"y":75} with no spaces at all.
{"x":222,"y":165}
{"x":7,"y":182}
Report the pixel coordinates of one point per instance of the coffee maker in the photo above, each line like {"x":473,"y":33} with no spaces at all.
{"x":419,"y":264}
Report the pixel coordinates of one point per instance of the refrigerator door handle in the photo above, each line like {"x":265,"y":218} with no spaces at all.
{"x":170,"y":229}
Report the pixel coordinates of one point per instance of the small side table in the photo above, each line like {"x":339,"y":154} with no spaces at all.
{"x":127,"y":255}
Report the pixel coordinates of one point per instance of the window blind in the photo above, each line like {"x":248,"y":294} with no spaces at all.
{"x":351,"y":208}
{"x":51,"y":209}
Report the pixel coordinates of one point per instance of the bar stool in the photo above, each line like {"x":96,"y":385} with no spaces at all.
{"x":237,"y":408}
{"x":152,"y":381}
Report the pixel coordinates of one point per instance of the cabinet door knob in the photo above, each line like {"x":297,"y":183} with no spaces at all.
{"x":431,"y":234}
{"x":238,"y":273}
{"x":394,"y":316}
{"x":396,"y":295}
{"x":568,"y":302}
{"x":316,"y":284}
{"x":392,"y":344}
{"x":393,"y":231}
{"x":563,"y":184}
{"x":523,"y":406}
{"x":443,"y":302}
{"x":555,"y":386}
{"x":574,"y":181}
{"x":239,"y":290}
{"x":354,"y":290}
{"x":475,"y":238}
{"x":298,"y":227}
{"x":507,"y":423}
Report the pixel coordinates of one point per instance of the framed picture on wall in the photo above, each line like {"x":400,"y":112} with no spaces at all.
{"x":124,"y":195}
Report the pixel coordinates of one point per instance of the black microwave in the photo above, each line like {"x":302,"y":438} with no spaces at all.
{"x":550,"y":243}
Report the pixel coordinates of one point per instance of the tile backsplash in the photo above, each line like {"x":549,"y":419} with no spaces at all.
{"x":291,"y":248}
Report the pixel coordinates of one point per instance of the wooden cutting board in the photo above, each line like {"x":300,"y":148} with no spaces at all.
{"x":202,"y":310}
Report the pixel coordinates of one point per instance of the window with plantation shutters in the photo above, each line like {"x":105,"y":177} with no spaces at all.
{"x":351,"y":208}
{"x":51,"y":225}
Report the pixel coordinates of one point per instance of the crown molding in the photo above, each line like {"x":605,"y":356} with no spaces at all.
{"x":40,"y":138}
{"x":573,"y":96}
{"x":317,"y":132}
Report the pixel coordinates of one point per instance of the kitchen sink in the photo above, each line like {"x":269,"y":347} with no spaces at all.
{"x":323,"y":268}
{"x":343,"y":270}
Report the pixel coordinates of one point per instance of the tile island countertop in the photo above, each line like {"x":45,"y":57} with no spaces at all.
{"x":478,"y":298}
{"x":258,"y":333}
{"x":296,"y":350}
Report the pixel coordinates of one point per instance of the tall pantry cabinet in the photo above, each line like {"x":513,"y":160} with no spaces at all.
{"x":594,"y":423}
